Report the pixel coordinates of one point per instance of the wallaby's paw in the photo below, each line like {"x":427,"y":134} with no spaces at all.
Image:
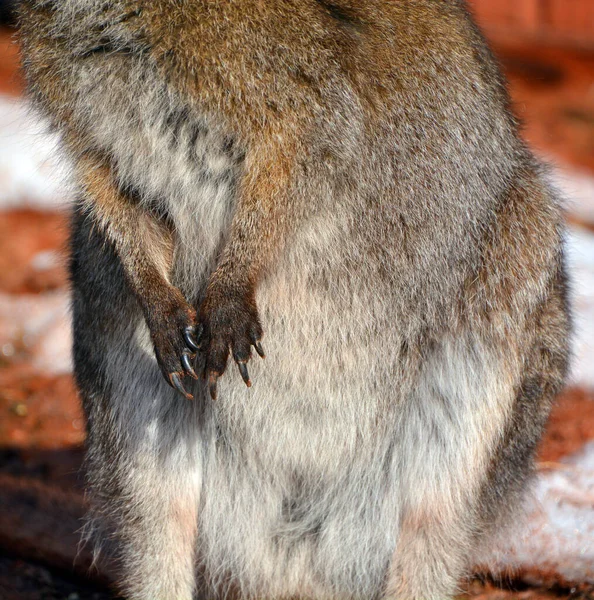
{"x":230,"y":323}
{"x":174,"y":334}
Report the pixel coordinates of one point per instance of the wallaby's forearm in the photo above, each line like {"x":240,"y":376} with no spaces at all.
{"x":144,"y":245}
{"x":261,"y":222}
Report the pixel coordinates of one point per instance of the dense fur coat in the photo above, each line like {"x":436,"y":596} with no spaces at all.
{"x":344,"y":178}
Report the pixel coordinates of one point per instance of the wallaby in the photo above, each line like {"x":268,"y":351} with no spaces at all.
{"x":338,"y":182}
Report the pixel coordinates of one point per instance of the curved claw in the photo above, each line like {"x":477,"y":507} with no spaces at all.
{"x":176,"y":382}
{"x":186,"y":360}
{"x":259,"y":349}
{"x":212,"y":384}
{"x":189,"y":338}
{"x":244,"y":372}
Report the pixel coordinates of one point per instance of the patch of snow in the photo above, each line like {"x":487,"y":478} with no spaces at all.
{"x":38,"y":325}
{"x":580,"y":260}
{"x":556,"y":541}
{"x":577,"y":190}
{"x":45,"y":260}
{"x":32,"y":171}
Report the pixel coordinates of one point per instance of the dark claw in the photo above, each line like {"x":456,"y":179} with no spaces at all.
{"x":244,"y":373}
{"x":212,"y":384}
{"x":187,"y":363}
{"x":176,"y":382}
{"x":190,"y":341}
{"x":259,"y":349}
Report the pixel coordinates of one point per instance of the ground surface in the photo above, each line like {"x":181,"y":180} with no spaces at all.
{"x":41,"y":427}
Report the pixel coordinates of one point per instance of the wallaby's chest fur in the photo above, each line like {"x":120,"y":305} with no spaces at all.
{"x":346,"y":179}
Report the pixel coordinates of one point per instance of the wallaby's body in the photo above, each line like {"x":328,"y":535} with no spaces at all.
{"x":345,"y":177}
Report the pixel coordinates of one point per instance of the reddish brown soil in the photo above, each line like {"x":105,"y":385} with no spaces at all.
{"x":571,"y":425}
{"x":553,"y":94}
{"x":23,"y":235}
{"x":38,"y":411}
{"x":10,"y":82}
{"x":478,"y":590}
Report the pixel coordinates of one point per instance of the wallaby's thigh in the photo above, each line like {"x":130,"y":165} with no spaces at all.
{"x":467,"y":440}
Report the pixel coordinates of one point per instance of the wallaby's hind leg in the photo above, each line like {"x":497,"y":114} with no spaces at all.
{"x":473,"y":427}
{"x":144,"y":449}
{"x":150,"y":502}
{"x":448,"y":433}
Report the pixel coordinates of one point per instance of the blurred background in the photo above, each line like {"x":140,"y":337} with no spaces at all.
{"x":546,"y":48}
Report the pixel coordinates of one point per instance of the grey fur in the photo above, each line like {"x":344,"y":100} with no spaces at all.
{"x":416,"y":320}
